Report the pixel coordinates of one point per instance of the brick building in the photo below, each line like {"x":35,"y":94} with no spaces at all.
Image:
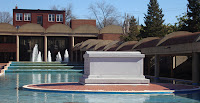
{"x":74,"y":23}
{"x":45,"y":18}
{"x":47,"y":29}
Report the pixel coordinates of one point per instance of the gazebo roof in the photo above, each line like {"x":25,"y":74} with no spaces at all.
{"x":76,"y":47}
{"x":146,"y":42}
{"x":179,"y":37}
{"x":101,"y":44}
{"x":86,"y":29}
{"x":126,"y":46}
{"x":85,"y":43}
{"x":114,"y":46}
{"x":110,"y":45}
{"x":111,"y":29}
{"x":91,"y":44}
{"x":59,"y":28}
{"x":5,"y":27}
{"x":31,"y":27}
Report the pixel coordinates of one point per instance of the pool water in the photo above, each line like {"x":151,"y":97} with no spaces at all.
{"x":10,"y":91}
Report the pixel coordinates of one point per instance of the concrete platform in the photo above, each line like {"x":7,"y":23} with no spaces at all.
{"x":161,"y":88}
{"x":113,"y":67}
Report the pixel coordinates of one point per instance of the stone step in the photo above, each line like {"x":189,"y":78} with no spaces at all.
{"x":43,"y":70}
{"x":28,"y":64}
{"x":45,"y":67}
{"x":44,"y":64}
{"x":25,"y":62}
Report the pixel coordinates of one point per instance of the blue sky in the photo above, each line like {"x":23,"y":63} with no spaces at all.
{"x":137,"y":8}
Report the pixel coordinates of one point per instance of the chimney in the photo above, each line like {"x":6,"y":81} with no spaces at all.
{"x":16,"y":7}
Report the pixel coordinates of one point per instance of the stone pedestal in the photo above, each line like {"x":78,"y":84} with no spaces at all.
{"x":113,"y":68}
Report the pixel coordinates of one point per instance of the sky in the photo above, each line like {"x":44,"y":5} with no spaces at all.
{"x":137,"y":8}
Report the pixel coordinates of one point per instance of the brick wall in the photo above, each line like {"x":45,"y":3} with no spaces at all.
{"x":77,"y":22}
{"x":8,"y":47}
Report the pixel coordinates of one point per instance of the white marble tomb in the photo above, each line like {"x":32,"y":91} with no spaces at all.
{"x":108,"y":67}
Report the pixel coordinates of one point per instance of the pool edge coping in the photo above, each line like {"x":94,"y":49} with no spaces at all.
{"x":25,"y":87}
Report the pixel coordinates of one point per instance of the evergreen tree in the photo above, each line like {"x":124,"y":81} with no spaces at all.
{"x":133,"y":30}
{"x":193,"y":15}
{"x":153,"y":21}
{"x":181,"y":25}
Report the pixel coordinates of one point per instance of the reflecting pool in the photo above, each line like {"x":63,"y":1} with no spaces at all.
{"x":11,"y":92}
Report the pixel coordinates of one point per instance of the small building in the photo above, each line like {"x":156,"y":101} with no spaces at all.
{"x":45,"y":18}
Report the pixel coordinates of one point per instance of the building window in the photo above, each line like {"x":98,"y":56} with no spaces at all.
{"x":51,"y":17}
{"x":59,"y":17}
{"x":27,"y":17}
{"x":18,"y":16}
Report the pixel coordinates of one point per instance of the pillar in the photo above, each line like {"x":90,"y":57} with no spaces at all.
{"x":174,"y":62}
{"x":76,"y":56}
{"x":17,"y":45}
{"x":157,"y":66}
{"x":81,"y":56}
{"x":72,"y":46}
{"x":195,"y":68}
{"x":148,"y":65}
{"x":171,"y":66}
{"x":45,"y":48}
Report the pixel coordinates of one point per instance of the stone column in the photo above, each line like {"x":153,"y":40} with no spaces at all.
{"x":17,"y":45}
{"x":174,"y":62}
{"x":72,"y":46}
{"x":76,"y":56}
{"x":157,"y":66}
{"x":172,"y":65}
{"x":81,"y":56}
{"x":148,"y":65}
{"x":195,"y":68}
{"x":45,"y":48}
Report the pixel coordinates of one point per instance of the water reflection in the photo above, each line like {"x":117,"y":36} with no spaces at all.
{"x":117,"y":98}
{"x":114,"y":98}
{"x":17,"y":87}
{"x":66,"y":77}
{"x":58,"y":77}
{"x":45,"y":97}
{"x":36,"y":78}
{"x":35,"y":97}
{"x":14,"y":80}
{"x":49,"y":78}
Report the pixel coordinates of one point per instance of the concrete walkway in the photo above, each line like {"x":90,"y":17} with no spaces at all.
{"x":129,"y":89}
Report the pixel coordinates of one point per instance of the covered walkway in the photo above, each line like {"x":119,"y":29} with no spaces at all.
{"x":16,"y":44}
{"x":177,"y":55}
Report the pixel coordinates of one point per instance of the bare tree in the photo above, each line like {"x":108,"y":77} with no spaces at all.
{"x":5,"y":17}
{"x":68,"y":12}
{"x":105,"y":14}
